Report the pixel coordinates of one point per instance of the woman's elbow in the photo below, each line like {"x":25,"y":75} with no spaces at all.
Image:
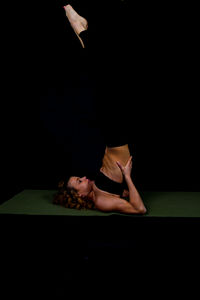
{"x":142,"y":210}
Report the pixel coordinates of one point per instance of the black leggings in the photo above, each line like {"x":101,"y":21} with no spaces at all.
{"x":110,"y":98}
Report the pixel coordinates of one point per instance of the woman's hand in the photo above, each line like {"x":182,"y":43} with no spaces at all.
{"x":126,"y":170}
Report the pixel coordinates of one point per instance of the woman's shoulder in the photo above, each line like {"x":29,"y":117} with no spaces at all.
{"x":108,"y":202}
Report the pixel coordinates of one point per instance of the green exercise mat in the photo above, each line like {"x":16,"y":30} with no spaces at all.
{"x":158,"y":204}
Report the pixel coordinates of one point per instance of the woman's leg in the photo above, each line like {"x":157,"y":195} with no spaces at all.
{"x":78,"y":23}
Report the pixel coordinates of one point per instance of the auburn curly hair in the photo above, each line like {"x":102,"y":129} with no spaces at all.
{"x":68,"y":197}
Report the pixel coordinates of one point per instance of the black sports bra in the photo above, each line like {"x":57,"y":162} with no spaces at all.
{"x":108,"y":185}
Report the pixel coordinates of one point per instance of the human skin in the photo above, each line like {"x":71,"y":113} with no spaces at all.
{"x":105,"y":201}
{"x":77,"y":22}
{"x":117,"y":162}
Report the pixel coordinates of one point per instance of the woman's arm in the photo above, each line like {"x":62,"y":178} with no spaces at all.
{"x":134,"y":196}
{"x":112,"y":203}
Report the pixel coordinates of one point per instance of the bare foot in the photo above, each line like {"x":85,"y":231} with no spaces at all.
{"x":77,"y":22}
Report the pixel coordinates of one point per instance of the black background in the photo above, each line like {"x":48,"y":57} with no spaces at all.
{"x":150,"y":49}
{"x":43,"y":66}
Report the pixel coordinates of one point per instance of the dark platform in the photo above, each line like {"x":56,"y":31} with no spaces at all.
{"x":50,"y":250}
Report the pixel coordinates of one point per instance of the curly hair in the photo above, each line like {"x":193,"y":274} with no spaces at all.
{"x":68,"y":197}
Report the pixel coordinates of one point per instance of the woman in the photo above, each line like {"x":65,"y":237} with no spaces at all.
{"x":106,"y":192}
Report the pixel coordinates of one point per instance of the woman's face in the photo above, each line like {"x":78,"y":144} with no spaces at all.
{"x":82,"y":185}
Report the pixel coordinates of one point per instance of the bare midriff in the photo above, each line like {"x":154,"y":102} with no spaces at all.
{"x":109,"y":166}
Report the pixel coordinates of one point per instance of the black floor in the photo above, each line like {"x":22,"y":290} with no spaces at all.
{"x":48,"y":259}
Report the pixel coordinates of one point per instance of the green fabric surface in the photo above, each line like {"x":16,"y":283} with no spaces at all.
{"x":158,"y":204}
